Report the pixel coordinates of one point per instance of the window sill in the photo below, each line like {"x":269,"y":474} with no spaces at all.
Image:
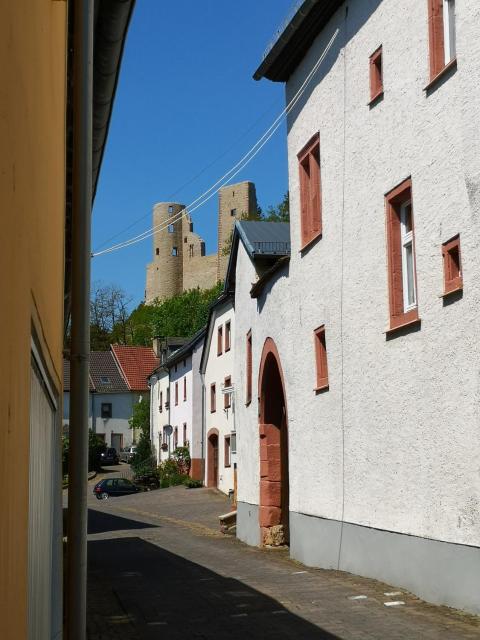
{"x":378,"y":97}
{"x":404,"y":325}
{"x":445,"y":294}
{"x":310,"y":241}
{"x":248,"y":403}
{"x":322,"y":388}
{"x":451,"y":67}
{"x":213,"y":411}
{"x":227,"y":350}
{"x":227,"y":466}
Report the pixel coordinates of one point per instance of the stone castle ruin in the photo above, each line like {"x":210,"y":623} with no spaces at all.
{"x":179,"y":261}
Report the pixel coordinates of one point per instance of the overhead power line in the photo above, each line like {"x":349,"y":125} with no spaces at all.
{"x":235,"y":170}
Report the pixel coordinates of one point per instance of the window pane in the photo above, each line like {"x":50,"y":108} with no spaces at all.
{"x":410,"y":297}
{"x":449,"y":29}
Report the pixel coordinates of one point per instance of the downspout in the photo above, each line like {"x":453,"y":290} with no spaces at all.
{"x":80,"y":309}
{"x":204,"y":420}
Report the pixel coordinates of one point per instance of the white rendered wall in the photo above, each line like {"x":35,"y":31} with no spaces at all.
{"x":182,"y":412}
{"x":395,"y":443}
{"x":159,"y":418}
{"x":122,"y":408}
{"x":217,"y":369}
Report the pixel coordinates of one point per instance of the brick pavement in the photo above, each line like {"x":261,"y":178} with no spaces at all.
{"x":159,"y":568}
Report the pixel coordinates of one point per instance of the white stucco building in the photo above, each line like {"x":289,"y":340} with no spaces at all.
{"x":216,"y":369}
{"x":176,"y":402}
{"x":361,"y":442}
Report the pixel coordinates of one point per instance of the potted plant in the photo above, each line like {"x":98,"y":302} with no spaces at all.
{"x":164,"y":446}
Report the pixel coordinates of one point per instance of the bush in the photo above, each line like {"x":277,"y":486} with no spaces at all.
{"x":170,"y":474}
{"x":96,"y":446}
{"x":181,"y":455}
{"x":193,"y":484}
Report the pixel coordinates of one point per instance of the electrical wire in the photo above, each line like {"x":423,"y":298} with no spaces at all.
{"x":235,"y":170}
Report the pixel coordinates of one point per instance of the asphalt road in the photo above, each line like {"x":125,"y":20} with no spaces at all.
{"x":159,"y":568}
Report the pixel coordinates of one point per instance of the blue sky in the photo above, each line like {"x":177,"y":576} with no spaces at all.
{"x":186,"y":103}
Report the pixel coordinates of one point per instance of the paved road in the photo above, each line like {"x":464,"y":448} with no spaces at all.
{"x":159,"y":568}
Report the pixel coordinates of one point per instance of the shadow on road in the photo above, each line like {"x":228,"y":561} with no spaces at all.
{"x":153,"y":593}
{"x":101,"y":522}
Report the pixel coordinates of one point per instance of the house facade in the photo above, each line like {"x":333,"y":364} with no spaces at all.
{"x":117,"y":380}
{"x":37,"y":129}
{"x":359,"y":437}
{"x":176,"y":401}
{"x":216,"y":370}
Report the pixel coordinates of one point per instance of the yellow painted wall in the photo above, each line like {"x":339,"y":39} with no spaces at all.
{"x":32,"y":210}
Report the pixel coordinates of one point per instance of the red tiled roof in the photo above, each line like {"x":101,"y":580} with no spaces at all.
{"x":136,"y":364}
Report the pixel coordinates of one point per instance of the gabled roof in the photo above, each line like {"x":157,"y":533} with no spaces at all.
{"x":263,"y":241}
{"x":105,"y":373}
{"x":66,"y":377}
{"x":295,"y":39}
{"x":186,"y":350}
{"x":136,"y":364}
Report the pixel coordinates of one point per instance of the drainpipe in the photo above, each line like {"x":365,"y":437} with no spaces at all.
{"x":80,"y":309}
{"x":204,"y":421}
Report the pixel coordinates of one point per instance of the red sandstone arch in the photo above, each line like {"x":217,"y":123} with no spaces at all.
{"x":273,"y":432}
{"x":212,"y":458}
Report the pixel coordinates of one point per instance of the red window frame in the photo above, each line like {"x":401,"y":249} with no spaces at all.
{"x":376,"y":74}
{"x":436,"y":36}
{"x":321,"y":360}
{"x":227,"y":335}
{"x":394,"y":200}
{"x":220,"y":340}
{"x":310,"y":191}
{"x":184,"y":433}
{"x":452,"y":265}
{"x":227,"y":402}
{"x":213,"y":397}
{"x":248,"y":386}
{"x":176,"y":393}
{"x":161,"y":402}
{"x":184,"y":388}
{"x":226,"y":452}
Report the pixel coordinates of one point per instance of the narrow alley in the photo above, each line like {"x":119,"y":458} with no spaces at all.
{"x":160,"y":568}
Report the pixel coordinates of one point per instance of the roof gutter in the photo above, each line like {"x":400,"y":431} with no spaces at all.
{"x":76,"y":600}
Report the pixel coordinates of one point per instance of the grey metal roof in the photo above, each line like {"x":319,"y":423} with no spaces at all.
{"x":265,"y":238}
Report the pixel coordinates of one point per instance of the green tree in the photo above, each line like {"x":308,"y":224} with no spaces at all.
{"x":280,"y":213}
{"x":140,"y":421}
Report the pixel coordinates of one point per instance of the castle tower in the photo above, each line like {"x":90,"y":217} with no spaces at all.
{"x":165,"y":272}
{"x":234,"y":202}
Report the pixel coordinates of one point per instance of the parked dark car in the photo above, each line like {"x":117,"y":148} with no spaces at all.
{"x":110,"y":456}
{"x":114,"y":487}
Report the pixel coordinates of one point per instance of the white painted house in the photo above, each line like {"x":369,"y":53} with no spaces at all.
{"x":216,"y":368}
{"x":176,"y":402}
{"x":360,"y":441}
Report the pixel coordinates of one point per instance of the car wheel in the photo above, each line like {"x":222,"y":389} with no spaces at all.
{"x":103,"y":496}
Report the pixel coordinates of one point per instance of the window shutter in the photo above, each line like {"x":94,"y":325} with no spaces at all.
{"x":315,"y":203}
{"x":304,"y":203}
{"x":436,"y":38}
{"x":396,"y":278}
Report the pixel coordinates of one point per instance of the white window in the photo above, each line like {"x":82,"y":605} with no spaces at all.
{"x":170,"y":209}
{"x":408,"y":257}
{"x":233,"y":442}
{"x":449,"y":30}
{"x":171,"y":228}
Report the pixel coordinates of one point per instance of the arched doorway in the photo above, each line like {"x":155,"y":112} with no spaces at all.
{"x":273,"y":432}
{"x":212,"y":458}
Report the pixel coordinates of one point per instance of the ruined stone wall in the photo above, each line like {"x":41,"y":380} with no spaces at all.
{"x":233,"y":201}
{"x":201,"y":272}
{"x":165,"y":272}
{"x":179,"y":261}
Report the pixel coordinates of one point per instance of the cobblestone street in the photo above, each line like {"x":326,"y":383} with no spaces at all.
{"x":159,"y":568}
